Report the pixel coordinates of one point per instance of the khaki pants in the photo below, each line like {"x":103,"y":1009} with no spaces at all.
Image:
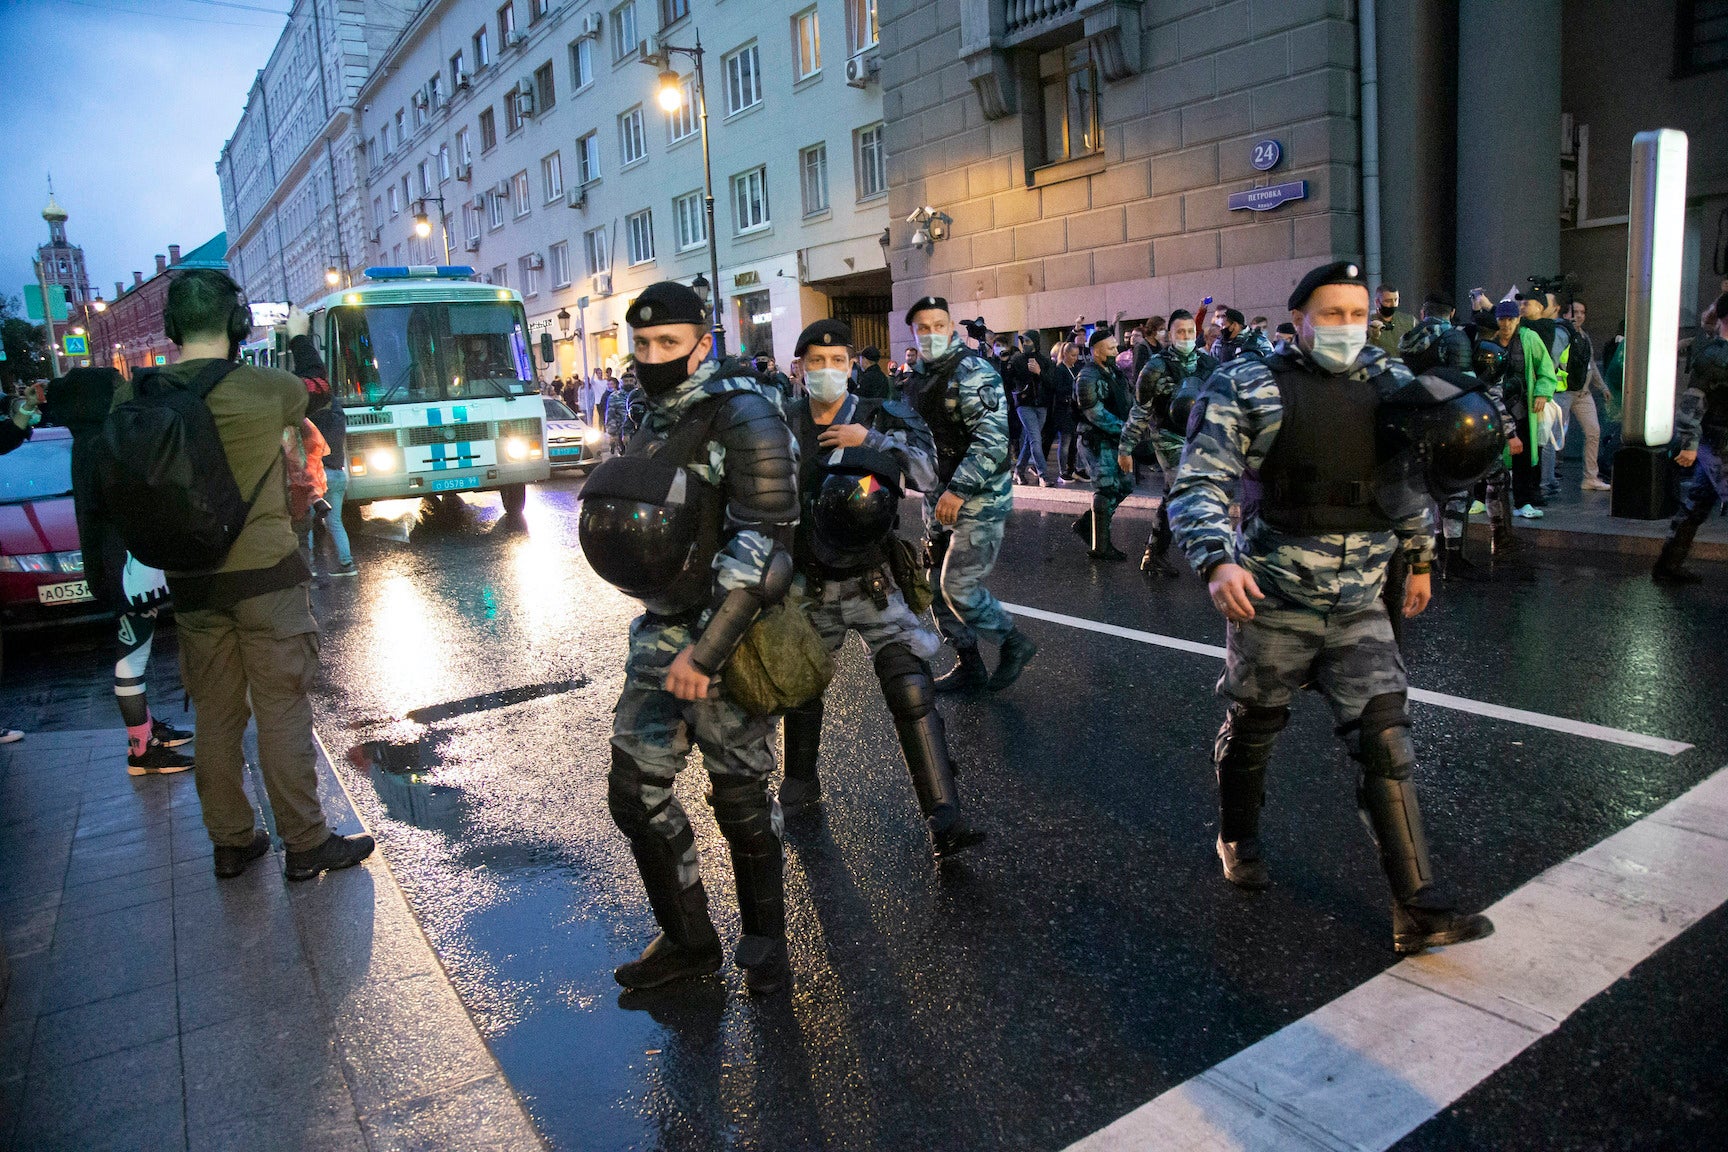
{"x":260,"y":658}
{"x":1582,"y":405}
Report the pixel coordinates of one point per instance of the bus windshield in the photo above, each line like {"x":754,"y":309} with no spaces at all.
{"x":430,"y":352}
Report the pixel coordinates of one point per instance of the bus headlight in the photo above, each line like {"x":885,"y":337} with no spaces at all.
{"x":515,"y":448}
{"x":381,"y":460}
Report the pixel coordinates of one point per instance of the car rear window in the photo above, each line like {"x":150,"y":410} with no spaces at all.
{"x":557,"y":410}
{"x":36,"y":470}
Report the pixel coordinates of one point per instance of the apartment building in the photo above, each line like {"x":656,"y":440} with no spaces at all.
{"x":530,"y":136}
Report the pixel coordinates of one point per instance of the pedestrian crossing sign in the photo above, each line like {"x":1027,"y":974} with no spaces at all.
{"x":76,"y":345}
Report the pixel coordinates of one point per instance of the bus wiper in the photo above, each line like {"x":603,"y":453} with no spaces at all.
{"x":401,"y":379}
{"x":503,"y":390}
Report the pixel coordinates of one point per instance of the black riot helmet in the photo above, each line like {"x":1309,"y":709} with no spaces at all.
{"x":1489,"y":361}
{"x":1436,"y":436}
{"x":649,"y":529}
{"x":854,"y":507}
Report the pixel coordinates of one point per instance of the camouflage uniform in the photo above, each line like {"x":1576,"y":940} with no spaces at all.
{"x":1104,"y":405}
{"x":968,"y":399}
{"x":1702,"y":427}
{"x":1250,"y":342}
{"x":1156,"y":386}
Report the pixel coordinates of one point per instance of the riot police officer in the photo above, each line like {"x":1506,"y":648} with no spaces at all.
{"x":1300,"y":583}
{"x":854,"y":454}
{"x":1703,"y":427}
{"x":695,"y":519}
{"x":960,"y":399}
{"x":1104,"y":406}
{"x":1164,"y":395}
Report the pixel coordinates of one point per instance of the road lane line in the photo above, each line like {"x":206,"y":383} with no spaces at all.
{"x":1365,"y":1070}
{"x":1421,"y":695}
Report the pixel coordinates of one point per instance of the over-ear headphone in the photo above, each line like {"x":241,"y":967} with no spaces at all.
{"x":239,"y":325}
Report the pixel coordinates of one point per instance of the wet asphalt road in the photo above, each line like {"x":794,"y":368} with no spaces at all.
{"x":1088,"y":957}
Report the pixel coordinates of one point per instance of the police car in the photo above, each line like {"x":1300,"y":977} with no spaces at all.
{"x":571,"y":442}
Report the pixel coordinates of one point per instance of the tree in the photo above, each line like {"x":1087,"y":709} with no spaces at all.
{"x":26,"y":358}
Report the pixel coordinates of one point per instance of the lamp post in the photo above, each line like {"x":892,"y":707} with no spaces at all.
{"x":423,"y":226}
{"x":671,"y":98}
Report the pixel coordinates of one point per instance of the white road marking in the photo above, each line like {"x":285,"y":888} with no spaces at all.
{"x":1364,"y":1071}
{"x":1420,"y":695}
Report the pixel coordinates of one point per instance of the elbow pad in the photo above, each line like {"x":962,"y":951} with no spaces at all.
{"x":737,"y":610}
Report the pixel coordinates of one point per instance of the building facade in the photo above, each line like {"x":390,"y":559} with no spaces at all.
{"x":530,"y":134}
{"x":127,"y":333}
{"x":60,"y":264}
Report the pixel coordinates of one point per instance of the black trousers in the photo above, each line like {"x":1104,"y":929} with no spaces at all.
{"x":1527,"y":476}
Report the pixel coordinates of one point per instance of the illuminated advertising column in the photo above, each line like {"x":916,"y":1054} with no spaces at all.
{"x":1656,"y":234}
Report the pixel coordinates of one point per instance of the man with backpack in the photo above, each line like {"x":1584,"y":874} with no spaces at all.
{"x":193,"y":477}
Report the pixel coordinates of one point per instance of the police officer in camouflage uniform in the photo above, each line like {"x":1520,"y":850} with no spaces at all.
{"x":1238,"y":339}
{"x":1300,"y":583}
{"x":960,"y":399}
{"x":1105,"y":402}
{"x":1164,"y":394}
{"x":1702,"y":424}
{"x":854,"y":453}
{"x":695,"y":519}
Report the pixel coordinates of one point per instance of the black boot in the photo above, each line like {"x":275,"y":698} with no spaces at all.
{"x":742,"y":810}
{"x":907,"y":689}
{"x":687,"y":947}
{"x":1453,"y":565}
{"x":969,"y":675}
{"x":1017,"y":652}
{"x":1156,"y":562}
{"x":1082,"y":526}
{"x":1243,"y":749}
{"x":801,"y":738}
{"x":1101,"y":547}
{"x":1671,"y":564}
{"x":1422,"y":915}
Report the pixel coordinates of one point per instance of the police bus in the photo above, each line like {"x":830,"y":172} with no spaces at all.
{"x":436,"y":377}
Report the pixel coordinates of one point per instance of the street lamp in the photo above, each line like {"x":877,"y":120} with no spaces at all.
{"x":564,"y":322}
{"x":332,"y":277}
{"x":671,"y":98}
{"x":702,"y":288}
{"x":423,"y":224}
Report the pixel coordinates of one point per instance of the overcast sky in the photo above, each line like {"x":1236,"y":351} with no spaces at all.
{"x":128,"y":104}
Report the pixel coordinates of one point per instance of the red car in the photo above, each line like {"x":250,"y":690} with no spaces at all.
{"x":41,"y":566}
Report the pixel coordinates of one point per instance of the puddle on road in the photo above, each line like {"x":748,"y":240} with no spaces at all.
{"x":398,"y":772}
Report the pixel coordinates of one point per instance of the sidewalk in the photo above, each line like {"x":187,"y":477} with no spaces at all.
{"x":151,"y":1006}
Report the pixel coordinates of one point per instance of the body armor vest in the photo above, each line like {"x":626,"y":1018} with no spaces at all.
{"x":953,"y":440}
{"x":811,"y":472}
{"x":1319,"y":476}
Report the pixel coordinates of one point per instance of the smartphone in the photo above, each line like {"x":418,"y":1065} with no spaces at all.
{"x":1204,"y":303}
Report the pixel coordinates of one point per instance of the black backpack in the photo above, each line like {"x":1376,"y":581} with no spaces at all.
{"x":166,"y":484}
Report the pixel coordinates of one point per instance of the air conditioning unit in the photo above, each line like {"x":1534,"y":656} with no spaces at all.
{"x":515,"y":39}
{"x":480,"y":202}
{"x":503,"y":188}
{"x":536,"y":260}
{"x":420,"y":98}
{"x":463,"y":81}
{"x":601,"y":283}
{"x":464,"y":172}
{"x":643,"y":48}
{"x":576,"y":197}
{"x":524,"y":96}
{"x":862,"y":69}
{"x":473,"y":244}
{"x":376,"y":235}
{"x":591,"y":26}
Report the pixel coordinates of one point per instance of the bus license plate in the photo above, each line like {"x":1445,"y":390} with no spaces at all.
{"x":71,"y":592}
{"x":455,"y":483}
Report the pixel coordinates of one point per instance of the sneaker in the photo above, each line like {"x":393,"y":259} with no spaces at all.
{"x":157,"y":759}
{"x":1529,"y":512}
{"x":1477,"y":508}
{"x":10,"y":735}
{"x":230,"y":862}
{"x":165,"y":734}
{"x":1244,"y":863}
{"x":1595,"y":486}
{"x":336,"y":852}
{"x":347,"y":569}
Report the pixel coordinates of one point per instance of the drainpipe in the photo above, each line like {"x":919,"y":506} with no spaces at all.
{"x":1369,"y":54}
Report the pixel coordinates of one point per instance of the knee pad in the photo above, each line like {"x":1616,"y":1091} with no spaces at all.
{"x":905,"y":683}
{"x":624,"y":796}
{"x":1381,"y":738}
{"x":742,"y":809}
{"x":1245,"y":740}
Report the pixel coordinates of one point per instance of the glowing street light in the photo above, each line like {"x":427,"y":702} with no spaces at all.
{"x":422,"y":225}
{"x":670,"y":97}
{"x":332,"y":277}
{"x":671,"y":91}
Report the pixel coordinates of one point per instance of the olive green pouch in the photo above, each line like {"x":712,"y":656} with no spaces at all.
{"x":781,"y":662}
{"x":909,"y":561}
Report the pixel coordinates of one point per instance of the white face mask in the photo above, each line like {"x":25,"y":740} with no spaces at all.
{"x":826,"y":385}
{"x":933,"y":345}
{"x":1184,"y":346}
{"x":1334,"y":347}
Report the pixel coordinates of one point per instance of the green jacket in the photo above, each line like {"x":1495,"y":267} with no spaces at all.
{"x":1539,"y":378}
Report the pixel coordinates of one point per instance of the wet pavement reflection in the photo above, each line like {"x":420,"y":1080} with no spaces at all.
{"x":1086,"y":960}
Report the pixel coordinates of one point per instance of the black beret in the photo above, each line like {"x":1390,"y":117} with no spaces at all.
{"x":1438,"y":300}
{"x":1232,"y":316}
{"x":871,"y":353}
{"x":1342,"y":272}
{"x":1099,"y":335}
{"x":667,"y":302}
{"x":925,"y":304}
{"x":1181,"y":314}
{"x":828,"y":333}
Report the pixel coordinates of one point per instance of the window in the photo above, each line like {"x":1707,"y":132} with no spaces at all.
{"x":530,"y":275}
{"x":690,"y":215}
{"x":623,"y":31}
{"x":1068,"y":78}
{"x":750,"y":200}
{"x":512,"y":112}
{"x":632,"y":140}
{"x":872,"y":163}
{"x":395,"y":202}
{"x":806,"y":46}
{"x":639,"y":231}
{"x":672,"y":11}
{"x":384,"y":137}
{"x":743,"y":80}
{"x":482,"y":49}
{"x":1700,"y":36}
{"x":488,"y":130}
{"x":545,"y":94}
{"x":435,"y":90}
{"x":813,"y":175}
{"x":581,"y":63}
{"x":401,"y":127}
{"x":424,"y":171}
{"x":588,"y":157}
{"x":552,"y":176}
{"x":559,"y":257}
{"x":471,"y":223}
{"x":681,"y":122}
{"x":538,"y":8}
{"x":419,"y":111}
{"x":372,"y":154}
{"x":458,"y":73}
{"x":464,"y":147}
{"x":501,"y":275}
{"x":519,"y":192}
{"x":495,"y":209}
{"x":597,"y":250}
{"x":407,"y":193}
{"x":860,"y":25}
{"x":506,"y":23}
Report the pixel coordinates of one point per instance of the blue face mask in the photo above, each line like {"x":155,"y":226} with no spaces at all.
{"x":934,"y":345}
{"x":1336,"y":346}
{"x":1184,"y":348}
